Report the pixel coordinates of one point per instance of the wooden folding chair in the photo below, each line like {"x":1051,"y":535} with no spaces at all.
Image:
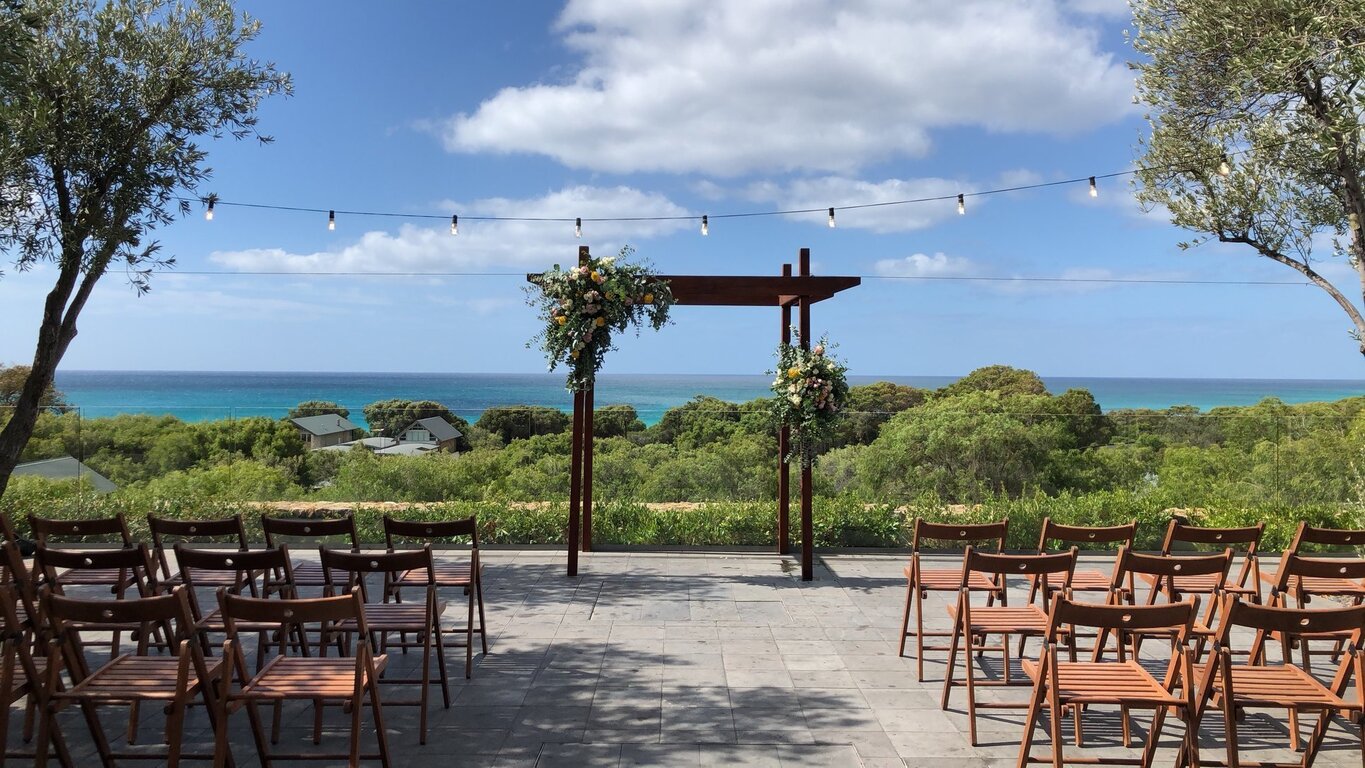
{"x":235,"y":571}
{"x":53,"y":533}
{"x":1300,"y":579}
{"x":1233,"y":687}
{"x":175,"y":680}
{"x":1060,"y":685}
{"x":168,"y":533}
{"x":1166,"y":574}
{"x":21,"y":675}
{"x":1083,"y":537}
{"x":286,"y":677}
{"x":465,"y":575}
{"x":920,"y":581}
{"x":311,"y":532}
{"x":1242,"y":541}
{"x":422,"y":620}
{"x":61,"y":569}
{"x":970,"y":623}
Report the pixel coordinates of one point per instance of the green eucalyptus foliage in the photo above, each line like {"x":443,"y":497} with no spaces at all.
{"x":1255,"y":108}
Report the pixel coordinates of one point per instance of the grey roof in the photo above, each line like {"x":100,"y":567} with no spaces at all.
{"x":373,"y":443}
{"x":325,"y":424}
{"x":439,"y":428}
{"x":406,"y":449}
{"x":65,"y":468}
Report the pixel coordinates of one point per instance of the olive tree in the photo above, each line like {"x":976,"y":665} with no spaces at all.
{"x":1256,"y":134}
{"x":102,"y":106}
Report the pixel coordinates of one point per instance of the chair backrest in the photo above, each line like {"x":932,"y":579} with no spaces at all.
{"x":327,"y":612}
{"x":358,"y":564}
{"x":12,"y":627}
{"x":1294,"y":568}
{"x":166,"y":531}
{"x":1285,"y":624}
{"x":959,"y":534}
{"x":273,"y":564}
{"x":1086,"y":536}
{"x":102,"y":529}
{"x":1338,"y":538}
{"x":16,"y":575}
{"x":60,"y":610}
{"x":1067,"y":615}
{"x":1166,"y":568}
{"x":1245,"y":541}
{"x":1050,"y":570}
{"x":310,"y":530}
{"x":135,"y":562}
{"x":430,"y":530}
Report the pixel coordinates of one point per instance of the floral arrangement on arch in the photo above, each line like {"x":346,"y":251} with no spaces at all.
{"x":810,"y":392}
{"x":584,"y":305}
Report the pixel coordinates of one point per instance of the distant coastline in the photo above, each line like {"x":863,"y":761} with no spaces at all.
{"x":204,"y":395}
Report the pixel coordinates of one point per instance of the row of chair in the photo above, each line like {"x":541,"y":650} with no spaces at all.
{"x":1064,"y":687}
{"x":47,"y":631}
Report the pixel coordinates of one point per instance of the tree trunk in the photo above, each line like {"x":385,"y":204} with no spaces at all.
{"x":54,"y":336}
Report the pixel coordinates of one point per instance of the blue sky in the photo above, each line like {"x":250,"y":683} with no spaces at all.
{"x":610,"y":108}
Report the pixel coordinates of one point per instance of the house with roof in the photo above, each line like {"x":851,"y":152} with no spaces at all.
{"x":65,"y":468}
{"x":433,"y":433}
{"x":324,"y":430}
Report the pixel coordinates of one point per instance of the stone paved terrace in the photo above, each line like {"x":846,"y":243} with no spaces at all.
{"x":710,"y":659}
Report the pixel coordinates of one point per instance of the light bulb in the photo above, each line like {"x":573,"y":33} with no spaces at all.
{"x":961,"y":205}
{"x":331,"y":220}
{"x":578,"y":227}
{"x":208,"y":214}
{"x":705,"y":228}
{"x":454,"y":225}
{"x":1093,"y":191}
{"x":831,"y":218}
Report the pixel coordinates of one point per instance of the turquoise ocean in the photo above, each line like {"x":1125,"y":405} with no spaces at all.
{"x":205,"y":395}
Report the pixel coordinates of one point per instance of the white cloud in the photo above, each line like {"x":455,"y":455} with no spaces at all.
{"x":728,"y":88}
{"x":923,"y":265}
{"x":484,"y":245}
{"x":1108,"y":9}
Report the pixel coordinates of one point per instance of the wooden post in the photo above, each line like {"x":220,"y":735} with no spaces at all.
{"x":807,"y":524}
{"x":784,"y":470}
{"x":575,"y":475}
{"x":587,"y":467}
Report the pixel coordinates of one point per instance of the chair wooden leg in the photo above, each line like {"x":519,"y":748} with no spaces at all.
{"x":377,"y":712}
{"x":317,"y":720}
{"x":1294,"y":742}
{"x":253,"y":714}
{"x":426,"y":685}
{"x":1153,"y":736}
{"x":175,"y":729}
{"x":919,"y":633}
{"x":905,"y":617}
{"x":951,"y":669}
{"x":478,"y":590}
{"x":1124,"y":717}
{"x":357,"y":710}
{"x":469,"y":639}
{"x":970,"y":666}
{"x":1055,"y":725}
{"x":1035,"y":709}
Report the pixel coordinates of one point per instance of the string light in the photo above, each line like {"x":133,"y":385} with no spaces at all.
{"x":1224,"y":168}
{"x":831,"y":218}
{"x":331,"y":220}
{"x":1094,"y":191}
{"x":208,"y":213}
{"x":454,"y":225}
{"x":705,"y":226}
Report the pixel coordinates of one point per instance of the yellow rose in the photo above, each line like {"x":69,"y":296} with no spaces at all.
{"x":596,"y":277}
{"x":601,"y":321}
{"x":574,"y":354}
{"x":649,"y":298}
{"x":561,"y":319}
{"x":793,"y":372}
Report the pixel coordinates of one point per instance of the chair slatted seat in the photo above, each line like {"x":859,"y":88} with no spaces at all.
{"x":1118,"y":682}
{"x":21,"y":673}
{"x":974,"y":625}
{"x":295,"y":677}
{"x":921,"y":580}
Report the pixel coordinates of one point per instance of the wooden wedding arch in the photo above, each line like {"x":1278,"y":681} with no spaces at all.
{"x":786,"y":292}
